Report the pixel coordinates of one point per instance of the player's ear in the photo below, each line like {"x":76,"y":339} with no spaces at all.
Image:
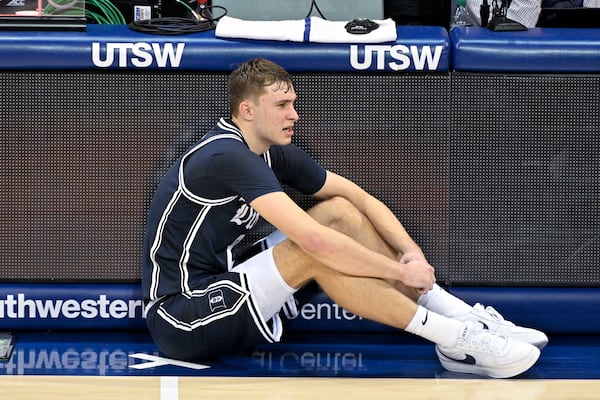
{"x":246,"y":110}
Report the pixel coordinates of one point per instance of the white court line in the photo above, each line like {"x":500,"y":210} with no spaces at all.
{"x":169,"y":388}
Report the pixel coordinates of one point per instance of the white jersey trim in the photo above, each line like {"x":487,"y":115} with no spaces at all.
{"x":156,"y":245}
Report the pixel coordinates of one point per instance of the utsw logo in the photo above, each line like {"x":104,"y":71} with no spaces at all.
{"x":139,"y":55}
{"x":396,"y":58}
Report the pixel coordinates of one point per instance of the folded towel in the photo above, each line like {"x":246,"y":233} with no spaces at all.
{"x":310,"y":29}
{"x":289,"y":30}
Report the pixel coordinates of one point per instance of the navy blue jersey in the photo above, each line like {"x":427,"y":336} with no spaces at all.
{"x":201,"y":210}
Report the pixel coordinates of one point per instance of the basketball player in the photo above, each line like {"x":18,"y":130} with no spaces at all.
{"x":202,"y":300}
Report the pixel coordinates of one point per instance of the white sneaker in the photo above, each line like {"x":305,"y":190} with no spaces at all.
{"x":479,"y":351}
{"x":493,"y":321}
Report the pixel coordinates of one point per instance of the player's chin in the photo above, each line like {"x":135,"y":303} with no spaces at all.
{"x":285,"y":140}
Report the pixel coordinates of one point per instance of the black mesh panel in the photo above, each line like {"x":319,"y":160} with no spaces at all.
{"x":81,"y":153}
{"x":525,"y":180}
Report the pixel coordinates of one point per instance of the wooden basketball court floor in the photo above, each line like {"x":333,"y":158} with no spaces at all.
{"x":126,"y":365}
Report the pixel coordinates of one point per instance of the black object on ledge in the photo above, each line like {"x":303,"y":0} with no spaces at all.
{"x":504,"y":24}
{"x":44,"y":23}
{"x":499,"y":21}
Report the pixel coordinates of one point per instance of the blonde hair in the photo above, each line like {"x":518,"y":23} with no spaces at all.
{"x":250,"y":79}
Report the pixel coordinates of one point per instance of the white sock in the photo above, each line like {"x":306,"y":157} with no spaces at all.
{"x":435,"y":327}
{"x":444,"y":303}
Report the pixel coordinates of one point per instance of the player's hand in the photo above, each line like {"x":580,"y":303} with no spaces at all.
{"x":412,"y":256}
{"x":419,"y":274}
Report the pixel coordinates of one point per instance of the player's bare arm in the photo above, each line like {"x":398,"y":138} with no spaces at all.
{"x":334,"y":249}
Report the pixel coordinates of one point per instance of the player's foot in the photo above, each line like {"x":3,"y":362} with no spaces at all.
{"x":481,"y":352}
{"x":495,"y":322}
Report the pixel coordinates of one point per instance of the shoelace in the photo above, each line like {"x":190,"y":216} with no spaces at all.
{"x":491,"y":312}
{"x":478,"y":338}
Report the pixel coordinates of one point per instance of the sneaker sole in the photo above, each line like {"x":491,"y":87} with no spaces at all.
{"x":541,"y":344}
{"x":498,"y":372}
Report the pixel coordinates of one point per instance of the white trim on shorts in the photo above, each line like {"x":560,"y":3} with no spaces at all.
{"x":268,"y":289}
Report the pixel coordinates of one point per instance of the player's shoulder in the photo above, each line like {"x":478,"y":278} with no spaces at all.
{"x":224,"y":137}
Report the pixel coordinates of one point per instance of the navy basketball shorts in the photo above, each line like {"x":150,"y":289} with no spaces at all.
{"x":229,"y":314}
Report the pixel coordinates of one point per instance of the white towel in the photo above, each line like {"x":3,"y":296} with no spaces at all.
{"x":312,"y":29}
{"x":289,"y":30}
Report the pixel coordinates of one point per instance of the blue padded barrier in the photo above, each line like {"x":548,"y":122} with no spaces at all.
{"x":542,"y":50}
{"x":551,"y":309}
{"x":418,"y":48}
{"x":422,"y":48}
{"x":53,"y":306}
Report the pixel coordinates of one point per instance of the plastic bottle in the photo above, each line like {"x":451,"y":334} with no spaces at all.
{"x":461,"y":15}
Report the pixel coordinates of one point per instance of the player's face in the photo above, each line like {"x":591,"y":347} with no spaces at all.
{"x":275,"y":115}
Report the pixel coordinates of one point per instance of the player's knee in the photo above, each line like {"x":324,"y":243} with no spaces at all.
{"x":341,"y":214}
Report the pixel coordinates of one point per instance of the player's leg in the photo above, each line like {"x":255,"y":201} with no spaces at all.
{"x":379,"y":300}
{"x":376,"y":299}
{"x":342,"y":216}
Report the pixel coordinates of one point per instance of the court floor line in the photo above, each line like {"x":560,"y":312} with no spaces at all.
{"x":169,"y":388}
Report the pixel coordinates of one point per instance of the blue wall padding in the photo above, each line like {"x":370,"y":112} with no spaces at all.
{"x":55,"y":306}
{"x":424,"y":48}
{"x":537,"y":50}
{"x":554,"y":310}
